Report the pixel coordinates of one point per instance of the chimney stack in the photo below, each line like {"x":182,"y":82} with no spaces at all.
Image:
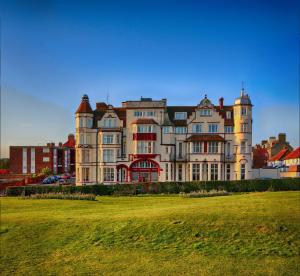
{"x":281,"y":137}
{"x":221,"y":103}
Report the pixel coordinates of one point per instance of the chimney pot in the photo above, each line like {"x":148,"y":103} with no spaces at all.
{"x":221,"y":103}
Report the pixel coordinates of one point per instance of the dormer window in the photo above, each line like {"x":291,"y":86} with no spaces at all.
{"x":205,"y":112}
{"x":228,"y":115}
{"x":109,"y":122}
{"x":180,"y":115}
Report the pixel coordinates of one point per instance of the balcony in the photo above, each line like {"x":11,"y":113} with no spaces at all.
{"x":230,"y":157}
{"x":144,"y":136}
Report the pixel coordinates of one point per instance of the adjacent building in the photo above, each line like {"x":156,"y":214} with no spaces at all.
{"x":32,"y":159}
{"x":147,"y":140}
{"x":292,"y":164}
{"x":274,"y":146}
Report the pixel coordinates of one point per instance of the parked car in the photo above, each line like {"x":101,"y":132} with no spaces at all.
{"x":66,"y":176}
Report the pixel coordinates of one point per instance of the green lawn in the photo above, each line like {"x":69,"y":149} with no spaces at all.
{"x":247,"y":234}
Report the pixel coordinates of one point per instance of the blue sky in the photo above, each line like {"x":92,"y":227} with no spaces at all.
{"x":54,"y":51}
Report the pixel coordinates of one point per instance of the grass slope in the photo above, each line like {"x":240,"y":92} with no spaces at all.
{"x":248,"y":234}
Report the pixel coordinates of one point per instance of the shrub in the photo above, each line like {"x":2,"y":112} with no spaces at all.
{"x":46,"y":171}
{"x":204,"y":193}
{"x":62,"y":196}
{"x":254,"y":185}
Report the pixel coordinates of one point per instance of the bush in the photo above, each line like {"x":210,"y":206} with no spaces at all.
{"x":46,"y":171}
{"x":255,"y":185}
{"x":62,"y":196}
{"x":204,"y":193}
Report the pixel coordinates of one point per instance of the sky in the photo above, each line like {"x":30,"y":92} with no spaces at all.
{"x":53,"y":52}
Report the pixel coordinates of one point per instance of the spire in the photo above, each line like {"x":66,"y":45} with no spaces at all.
{"x":84,"y":106}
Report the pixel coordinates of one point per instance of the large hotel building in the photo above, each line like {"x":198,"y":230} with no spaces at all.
{"x":147,"y":140}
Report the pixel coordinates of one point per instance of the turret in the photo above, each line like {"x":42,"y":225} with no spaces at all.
{"x":84,"y":123}
{"x":84,"y":114}
{"x":243,"y":135}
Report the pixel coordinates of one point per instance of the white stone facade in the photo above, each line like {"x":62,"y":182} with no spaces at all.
{"x":147,"y":140}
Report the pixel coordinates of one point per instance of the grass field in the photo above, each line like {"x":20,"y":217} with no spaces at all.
{"x":247,"y":234}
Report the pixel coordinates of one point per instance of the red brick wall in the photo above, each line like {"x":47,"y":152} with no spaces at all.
{"x":15,"y":156}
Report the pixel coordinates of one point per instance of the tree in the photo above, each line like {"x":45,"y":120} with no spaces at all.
{"x":46,"y":171}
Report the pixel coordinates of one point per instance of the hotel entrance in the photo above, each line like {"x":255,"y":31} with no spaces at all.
{"x":144,"y":171}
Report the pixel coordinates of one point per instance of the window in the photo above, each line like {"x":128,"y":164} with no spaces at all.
{"x":243,"y":111}
{"x":138,"y":113}
{"x":85,"y":155}
{"x":228,"y":129}
{"x":144,"y":165}
{"x":180,"y":130}
{"x":109,"y":122}
{"x":197,"y":147}
{"x":196,"y":172}
{"x":88,"y":139}
{"x":145,"y":147}
{"x":81,"y":140}
{"x":227,"y":149}
{"x":145,"y":129}
{"x":213,"y":147}
{"x":228,"y":114}
{"x":166,"y":129}
{"x":205,"y":112}
{"x":167,"y":150}
{"x":244,"y":127}
{"x":80,"y":122}
{"x":243,"y":171}
{"x":167,"y":171}
{"x":197,"y":128}
{"x":214,"y":172}
{"x":243,"y":147}
{"x":89,"y":122}
{"x":108,"y":174}
{"x":180,"y":115}
{"x":179,"y":150}
{"x":212,"y":128}
{"x":86,"y":174}
{"x":179,"y":172}
{"x":108,"y":139}
{"x":227,"y":171}
{"x":108,"y":155}
{"x":46,"y":159}
{"x":46,"y":150}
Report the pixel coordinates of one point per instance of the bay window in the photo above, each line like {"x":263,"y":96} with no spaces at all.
{"x":108,"y":139}
{"x":213,"y":147}
{"x":196,"y":172}
{"x":197,"y":147}
{"x":108,"y":155}
{"x":214,"y":172}
{"x":144,"y":147}
{"x":145,"y":129}
{"x":108,"y":174}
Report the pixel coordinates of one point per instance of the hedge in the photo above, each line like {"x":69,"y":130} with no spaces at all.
{"x":255,"y":185}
